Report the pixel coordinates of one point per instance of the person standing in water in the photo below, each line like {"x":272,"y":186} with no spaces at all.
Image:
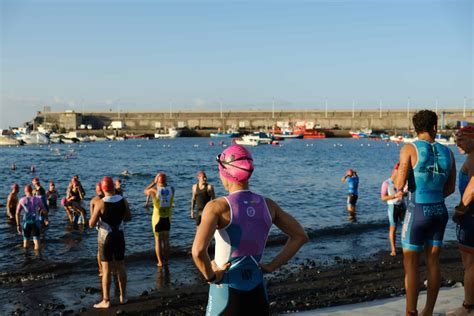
{"x":430,"y":170}
{"x":203,"y":192}
{"x":163,"y":198}
{"x":109,"y":213}
{"x":352,"y":179}
{"x":240,"y":224}
{"x":396,"y":207}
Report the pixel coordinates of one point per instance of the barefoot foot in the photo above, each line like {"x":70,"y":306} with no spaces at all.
{"x":102,"y":304}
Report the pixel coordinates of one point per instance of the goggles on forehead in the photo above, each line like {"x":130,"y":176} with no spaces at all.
{"x":223,"y":163}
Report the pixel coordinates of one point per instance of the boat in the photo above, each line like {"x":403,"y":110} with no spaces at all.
{"x":261,"y":137}
{"x":286,"y":133}
{"x":34,"y":138}
{"x":362,"y":133}
{"x":230,"y":133}
{"x":403,"y":138}
{"x":309,"y":132}
{"x":172,"y":133}
{"x":444,"y":140}
{"x":7,"y":140}
{"x":247,"y":140}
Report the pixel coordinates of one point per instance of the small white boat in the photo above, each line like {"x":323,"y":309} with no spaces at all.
{"x":35,"y":138}
{"x":247,"y":141}
{"x":444,"y":140}
{"x":260,"y":137}
{"x":172,"y":133}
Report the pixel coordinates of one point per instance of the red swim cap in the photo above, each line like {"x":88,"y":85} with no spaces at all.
{"x":36,"y":180}
{"x":466,"y":131}
{"x":349,"y":171}
{"x":107,"y":184}
{"x":235,"y":163}
{"x":98,"y":188}
{"x":15,"y":187}
{"x":161,"y":178}
{"x":201,"y":174}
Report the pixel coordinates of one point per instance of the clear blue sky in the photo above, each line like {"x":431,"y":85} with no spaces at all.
{"x":146,"y":55}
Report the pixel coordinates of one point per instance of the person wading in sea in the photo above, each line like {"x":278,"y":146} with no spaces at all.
{"x":352,"y":179}
{"x":203,"y":192}
{"x":240,"y":223}
{"x":163,"y":199}
{"x":430,"y":170}
{"x":109,"y":213}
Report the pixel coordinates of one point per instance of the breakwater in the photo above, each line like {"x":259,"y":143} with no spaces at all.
{"x":150,"y":121}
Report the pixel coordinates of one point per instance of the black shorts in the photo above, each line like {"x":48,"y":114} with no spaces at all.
{"x":238,"y":302}
{"x":352,"y":199}
{"x":163,"y":225}
{"x":113,"y":248}
{"x":31,"y":229}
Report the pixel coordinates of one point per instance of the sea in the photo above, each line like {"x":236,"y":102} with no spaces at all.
{"x":302,"y":176}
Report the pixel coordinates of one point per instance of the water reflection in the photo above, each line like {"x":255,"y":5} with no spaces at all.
{"x":163,"y":277}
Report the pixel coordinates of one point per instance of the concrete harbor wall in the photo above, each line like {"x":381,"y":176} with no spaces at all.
{"x":151,"y":121}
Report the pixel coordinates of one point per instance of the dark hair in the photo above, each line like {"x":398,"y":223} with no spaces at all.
{"x":424,"y":121}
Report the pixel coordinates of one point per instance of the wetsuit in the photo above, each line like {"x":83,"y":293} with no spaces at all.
{"x":162,"y":209}
{"x":202,"y":197}
{"x":396,"y":207}
{"x":465,"y":228}
{"x":75,"y":203}
{"x":110,"y":238}
{"x":31,"y":221}
{"x":14,"y":203}
{"x":353,"y":190}
{"x":118,"y":192}
{"x":241,"y":290}
{"x":52,"y":198}
{"x":426,"y":217}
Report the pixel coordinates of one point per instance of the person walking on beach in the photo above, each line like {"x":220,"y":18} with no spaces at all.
{"x":203,"y":192}
{"x":464,"y":217}
{"x":163,"y":197}
{"x":396,"y":207}
{"x":30,"y":224}
{"x":12,"y":201}
{"x":430,"y":170}
{"x":109,"y":213}
{"x":352,"y":179}
{"x":240,"y":223}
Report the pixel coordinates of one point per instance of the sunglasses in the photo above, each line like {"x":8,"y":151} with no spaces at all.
{"x":223,"y":163}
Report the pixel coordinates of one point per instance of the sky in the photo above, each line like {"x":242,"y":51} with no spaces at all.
{"x":201,"y":55}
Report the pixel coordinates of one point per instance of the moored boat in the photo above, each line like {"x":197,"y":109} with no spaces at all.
{"x":172,"y":133}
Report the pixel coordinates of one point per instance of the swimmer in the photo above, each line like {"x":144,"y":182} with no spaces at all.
{"x":118,"y":187}
{"x":163,"y":198}
{"x":109,"y":213}
{"x":396,"y":207}
{"x":240,"y":224}
{"x":33,"y":168}
{"x":125,"y":173}
{"x":72,"y":205}
{"x":203,"y":192}
{"x":12,"y":201}
{"x":99,"y":195}
{"x":464,"y":218}
{"x":38,"y":190}
{"x":30,"y":225}
{"x":352,"y":179}
{"x":52,"y":195}
{"x":430,"y":170}
{"x":13,"y":166}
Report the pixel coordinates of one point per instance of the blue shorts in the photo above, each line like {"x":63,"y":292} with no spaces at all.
{"x":31,"y":230}
{"x":465,"y":232}
{"x":424,"y":224}
{"x":396,"y":213}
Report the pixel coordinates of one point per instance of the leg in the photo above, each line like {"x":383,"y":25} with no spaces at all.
{"x":391,"y":237}
{"x":99,"y":264}
{"x":69,"y":213}
{"x":166,"y":245}
{"x":26,"y":243}
{"x":412,"y":282}
{"x":434,"y":278}
{"x":158,"y":249}
{"x":105,"y":303}
{"x":36,"y":242}
{"x":122,"y":278}
{"x":468,"y":262}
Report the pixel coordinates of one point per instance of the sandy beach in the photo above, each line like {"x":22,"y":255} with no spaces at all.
{"x":310,"y":289}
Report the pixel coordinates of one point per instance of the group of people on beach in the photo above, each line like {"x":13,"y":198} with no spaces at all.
{"x":240,"y":222}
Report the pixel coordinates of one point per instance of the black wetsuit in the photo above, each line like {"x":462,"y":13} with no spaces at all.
{"x":111,"y":238}
{"x":202,"y":197}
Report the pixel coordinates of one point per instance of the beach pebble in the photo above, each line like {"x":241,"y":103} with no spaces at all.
{"x":120,"y":312}
{"x":458,"y":284}
{"x":273,"y":304}
{"x":144,"y":293}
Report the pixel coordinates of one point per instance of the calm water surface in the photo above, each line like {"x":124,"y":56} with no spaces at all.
{"x":303,"y":176}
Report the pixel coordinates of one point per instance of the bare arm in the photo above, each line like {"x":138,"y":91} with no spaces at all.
{"x":10,"y":201}
{"x":343,"y":179}
{"x":148,"y":190}
{"x":211,"y":192}
{"x":193,"y":200}
{"x":204,"y":233}
{"x":17,"y":217}
{"x":296,"y":236}
{"x":450,"y":185}
{"x":95,"y":214}
{"x":405,"y":166}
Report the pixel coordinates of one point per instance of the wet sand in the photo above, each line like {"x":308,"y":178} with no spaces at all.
{"x":312,"y":287}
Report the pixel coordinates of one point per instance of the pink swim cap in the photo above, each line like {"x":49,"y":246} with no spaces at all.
{"x":63,"y":201}
{"x":235,"y":163}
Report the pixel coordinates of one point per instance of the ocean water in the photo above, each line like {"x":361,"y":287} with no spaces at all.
{"x":303,"y":176}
